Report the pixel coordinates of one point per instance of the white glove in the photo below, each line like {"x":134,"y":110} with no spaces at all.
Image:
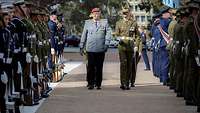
{"x":135,"y":49}
{"x":28,"y":57}
{"x":4,"y":78}
{"x":24,"y":50}
{"x":33,"y":79}
{"x":52,"y":51}
{"x":36,"y":59}
{"x":197,"y":61}
{"x":140,"y":53}
{"x":19,"y":69}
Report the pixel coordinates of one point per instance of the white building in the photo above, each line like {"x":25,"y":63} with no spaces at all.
{"x":172,"y":3}
{"x":141,"y":16}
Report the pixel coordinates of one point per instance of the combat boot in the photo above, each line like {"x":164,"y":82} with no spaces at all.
{"x":123,"y":87}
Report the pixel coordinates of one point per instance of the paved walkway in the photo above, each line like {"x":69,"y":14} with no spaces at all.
{"x":72,"y":96}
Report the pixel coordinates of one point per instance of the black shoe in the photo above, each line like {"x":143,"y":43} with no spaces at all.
{"x":189,"y":103}
{"x":88,"y":85}
{"x":91,"y":87}
{"x":198,"y":109}
{"x":35,"y":103}
{"x":171,"y":87}
{"x":128,"y":88}
{"x":132,"y":85}
{"x":98,"y":87}
{"x":147,"y":69}
{"x":122,"y":87}
{"x":179,"y":95}
{"x":45,"y":95}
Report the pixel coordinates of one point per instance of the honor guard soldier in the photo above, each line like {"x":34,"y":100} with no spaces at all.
{"x":2,"y":73}
{"x":129,"y":45}
{"x":163,"y":41}
{"x":191,"y":33}
{"x":53,"y":37}
{"x":155,"y":42}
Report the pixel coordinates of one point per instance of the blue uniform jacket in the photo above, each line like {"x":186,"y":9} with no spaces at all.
{"x":53,"y":30}
{"x":164,"y":24}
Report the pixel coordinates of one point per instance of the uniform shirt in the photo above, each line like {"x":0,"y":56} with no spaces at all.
{"x":96,"y":36}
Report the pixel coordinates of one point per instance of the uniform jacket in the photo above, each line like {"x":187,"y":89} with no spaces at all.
{"x":95,"y":38}
{"x":53,"y":30}
{"x":123,"y":29}
{"x":164,"y":24}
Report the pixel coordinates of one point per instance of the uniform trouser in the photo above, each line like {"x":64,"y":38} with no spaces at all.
{"x":155,"y":63}
{"x":198,"y":90}
{"x":191,"y":80}
{"x":2,"y":99}
{"x":126,"y":66}
{"x":135,"y":61}
{"x":35,"y":69}
{"x":145,"y":58}
{"x":95,"y":67}
{"x":164,"y":64}
{"x":171,"y":70}
{"x":179,"y":74}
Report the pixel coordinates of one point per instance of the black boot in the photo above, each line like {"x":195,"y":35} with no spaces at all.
{"x":198,"y":109}
{"x":91,"y":87}
{"x":123,"y":87}
{"x":190,"y":103}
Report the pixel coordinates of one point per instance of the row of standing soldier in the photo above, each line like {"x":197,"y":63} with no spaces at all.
{"x":176,"y":61}
{"x":29,"y":50}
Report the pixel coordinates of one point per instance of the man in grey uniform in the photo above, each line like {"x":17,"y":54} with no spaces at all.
{"x":95,"y":38}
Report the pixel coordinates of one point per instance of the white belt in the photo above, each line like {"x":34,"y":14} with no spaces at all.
{"x":177,"y":42}
{"x":44,"y":41}
{"x":8,"y":60}
{"x":40,"y":43}
{"x":24,"y":49}
{"x":16,"y":50}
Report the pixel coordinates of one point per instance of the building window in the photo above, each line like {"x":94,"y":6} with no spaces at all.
{"x":148,"y":18}
{"x":142,"y":18}
{"x":136,"y":8}
{"x":137,"y":18}
{"x":169,"y":1}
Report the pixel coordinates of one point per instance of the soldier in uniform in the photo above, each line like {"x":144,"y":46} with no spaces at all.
{"x":52,"y":25}
{"x":95,"y":38}
{"x":191,"y":51}
{"x":177,"y":51}
{"x":163,"y":52}
{"x":170,"y":48}
{"x":2,"y":84}
{"x":129,"y":44}
{"x":155,"y":42}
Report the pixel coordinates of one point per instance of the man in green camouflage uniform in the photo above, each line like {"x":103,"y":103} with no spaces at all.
{"x":170,"y":47}
{"x":127,"y":29}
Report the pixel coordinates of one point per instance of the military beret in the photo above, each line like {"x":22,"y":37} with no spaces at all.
{"x":95,"y":10}
{"x":164,"y":9}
